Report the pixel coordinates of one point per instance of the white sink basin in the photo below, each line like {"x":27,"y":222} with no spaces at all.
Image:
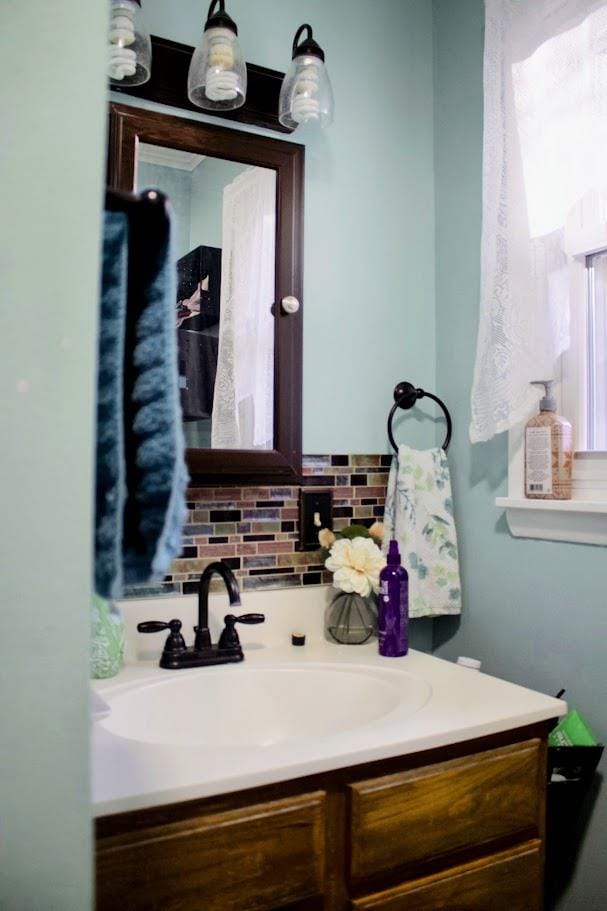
{"x":259,"y":707}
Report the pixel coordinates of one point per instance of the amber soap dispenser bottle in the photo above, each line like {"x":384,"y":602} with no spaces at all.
{"x":548,"y":451}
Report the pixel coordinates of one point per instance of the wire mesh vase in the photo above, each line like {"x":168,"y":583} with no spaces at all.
{"x":351,"y":618}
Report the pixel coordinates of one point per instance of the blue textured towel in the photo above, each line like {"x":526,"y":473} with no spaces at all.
{"x":110,"y":482}
{"x":145,"y":475}
{"x":156,"y":508}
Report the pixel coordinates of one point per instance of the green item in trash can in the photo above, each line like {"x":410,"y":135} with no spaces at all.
{"x":572,"y":731}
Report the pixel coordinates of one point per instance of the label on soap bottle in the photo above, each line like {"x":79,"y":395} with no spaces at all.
{"x":538,"y":460}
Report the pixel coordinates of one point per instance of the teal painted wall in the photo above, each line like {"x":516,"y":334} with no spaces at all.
{"x":369,"y":219}
{"x":177,"y":185}
{"x":52,"y":60}
{"x":534,"y":611}
{"x":208,"y":182}
{"x":369,"y":316}
{"x":196,"y":198}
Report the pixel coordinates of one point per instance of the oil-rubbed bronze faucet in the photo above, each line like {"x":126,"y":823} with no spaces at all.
{"x":203,"y":653}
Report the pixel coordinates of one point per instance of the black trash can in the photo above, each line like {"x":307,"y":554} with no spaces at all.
{"x":572,"y":790}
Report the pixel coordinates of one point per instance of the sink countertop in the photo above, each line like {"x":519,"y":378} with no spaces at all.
{"x":464,"y":704}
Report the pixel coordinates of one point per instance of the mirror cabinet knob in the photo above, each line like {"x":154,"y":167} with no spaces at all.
{"x":290,"y":304}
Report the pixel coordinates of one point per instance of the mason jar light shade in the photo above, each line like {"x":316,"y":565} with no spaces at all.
{"x":306,"y":94}
{"x":130,"y":47}
{"x":217,"y":80}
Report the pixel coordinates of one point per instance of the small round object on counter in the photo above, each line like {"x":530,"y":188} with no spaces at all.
{"x":298,"y":638}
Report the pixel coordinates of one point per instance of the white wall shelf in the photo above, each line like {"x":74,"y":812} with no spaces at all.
{"x":582,"y":520}
{"x":579,"y":521}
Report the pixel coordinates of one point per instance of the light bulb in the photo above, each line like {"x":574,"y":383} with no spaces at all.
{"x":130,"y":48}
{"x":122,"y":24}
{"x":306,"y":94}
{"x":221,"y":80}
{"x":217,"y":80}
{"x":305,"y":104}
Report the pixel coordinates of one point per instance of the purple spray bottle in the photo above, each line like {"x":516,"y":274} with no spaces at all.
{"x":393,"y":611}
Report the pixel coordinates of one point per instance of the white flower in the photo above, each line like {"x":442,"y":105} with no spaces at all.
{"x":356,"y":565}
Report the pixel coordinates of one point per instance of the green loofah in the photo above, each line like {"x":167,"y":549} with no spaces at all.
{"x":107,"y":639}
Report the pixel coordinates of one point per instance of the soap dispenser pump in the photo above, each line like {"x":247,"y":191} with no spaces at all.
{"x":548,"y":451}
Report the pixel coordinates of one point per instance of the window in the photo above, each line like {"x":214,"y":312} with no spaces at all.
{"x":582,"y":395}
{"x":544,"y":140}
{"x":596,"y":359}
{"x":544,"y":249}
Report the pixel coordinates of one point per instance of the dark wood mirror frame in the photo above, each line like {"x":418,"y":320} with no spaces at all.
{"x":128,"y":125}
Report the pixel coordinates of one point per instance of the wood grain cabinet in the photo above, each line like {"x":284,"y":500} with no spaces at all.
{"x":509,"y":881}
{"x":262,"y":856}
{"x":455,"y":829}
{"x":419,"y":815}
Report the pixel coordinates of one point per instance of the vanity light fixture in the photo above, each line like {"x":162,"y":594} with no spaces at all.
{"x":130,"y":47}
{"x":217,"y":80}
{"x":306,"y":94}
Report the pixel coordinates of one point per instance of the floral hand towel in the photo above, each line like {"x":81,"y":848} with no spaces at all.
{"x":419,"y":515}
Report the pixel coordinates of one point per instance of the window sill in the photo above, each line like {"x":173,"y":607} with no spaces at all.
{"x":579,"y":521}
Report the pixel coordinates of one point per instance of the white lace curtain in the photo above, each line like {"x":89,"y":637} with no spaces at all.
{"x":243,"y":405}
{"x":544,"y":147}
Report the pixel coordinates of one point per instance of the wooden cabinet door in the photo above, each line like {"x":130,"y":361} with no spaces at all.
{"x":251,"y":859}
{"x":510,"y":881}
{"x":406,"y":819}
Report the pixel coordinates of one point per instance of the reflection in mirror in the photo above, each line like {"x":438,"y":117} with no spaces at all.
{"x":225,"y":244}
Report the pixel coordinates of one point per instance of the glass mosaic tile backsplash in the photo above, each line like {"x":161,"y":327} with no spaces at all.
{"x":255,"y":529}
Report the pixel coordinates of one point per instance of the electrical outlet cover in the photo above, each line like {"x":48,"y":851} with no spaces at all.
{"x":315,"y":512}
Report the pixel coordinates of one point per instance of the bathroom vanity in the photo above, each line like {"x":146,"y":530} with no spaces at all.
{"x":431,"y":797}
{"x":459,"y":827}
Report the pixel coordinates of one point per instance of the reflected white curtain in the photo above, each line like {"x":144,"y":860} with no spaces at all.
{"x":544,"y":147}
{"x":243,"y":406}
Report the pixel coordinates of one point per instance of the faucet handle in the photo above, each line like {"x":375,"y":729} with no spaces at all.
{"x":248,"y":618}
{"x":229,"y":637}
{"x":175,"y":641}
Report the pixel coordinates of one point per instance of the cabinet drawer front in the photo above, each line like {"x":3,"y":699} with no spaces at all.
{"x":414,"y":816}
{"x":511,"y":881}
{"x":253,"y":859}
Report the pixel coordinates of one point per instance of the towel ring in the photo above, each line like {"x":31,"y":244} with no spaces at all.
{"x":405,"y":397}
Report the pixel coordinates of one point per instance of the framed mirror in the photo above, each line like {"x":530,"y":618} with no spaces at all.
{"x":237,"y":201}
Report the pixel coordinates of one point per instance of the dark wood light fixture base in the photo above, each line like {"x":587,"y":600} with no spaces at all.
{"x":169,"y":85}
